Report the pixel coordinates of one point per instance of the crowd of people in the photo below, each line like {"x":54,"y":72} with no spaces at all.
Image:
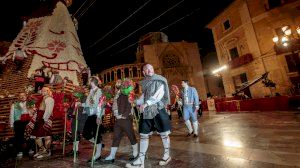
{"x":152,"y":106}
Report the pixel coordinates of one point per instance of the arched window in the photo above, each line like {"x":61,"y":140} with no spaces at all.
{"x":112,"y":75}
{"x":134,"y":72}
{"x":108,"y":77}
{"x":119,"y":74}
{"x":126,"y":72}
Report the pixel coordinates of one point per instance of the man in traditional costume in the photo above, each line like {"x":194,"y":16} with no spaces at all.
{"x":153,"y":102}
{"x":19,"y":118}
{"x":123,"y":112}
{"x":190,"y":103}
{"x":41,"y":124}
{"x":80,"y":97}
{"x":95,"y":113}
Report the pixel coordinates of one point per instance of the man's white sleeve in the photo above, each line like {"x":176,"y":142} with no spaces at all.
{"x":158,"y":95}
{"x":140,"y":100}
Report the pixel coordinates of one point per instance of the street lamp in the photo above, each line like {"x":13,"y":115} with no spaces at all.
{"x":287,"y":37}
{"x":222,"y":68}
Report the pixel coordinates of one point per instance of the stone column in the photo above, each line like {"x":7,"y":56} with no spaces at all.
{"x":139,"y":72}
{"x":122,"y":73}
{"x":105,"y":78}
{"x":115,"y":73}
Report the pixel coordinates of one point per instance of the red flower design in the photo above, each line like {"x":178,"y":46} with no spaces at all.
{"x":127,"y":83}
{"x":131,"y":97}
{"x":56,"y":46}
{"x":33,"y":26}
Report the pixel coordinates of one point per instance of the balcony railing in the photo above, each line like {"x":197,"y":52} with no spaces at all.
{"x":293,"y":46}
{"x":237,"y":62}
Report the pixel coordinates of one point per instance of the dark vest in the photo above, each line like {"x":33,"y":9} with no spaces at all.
{"x":124,"y":107}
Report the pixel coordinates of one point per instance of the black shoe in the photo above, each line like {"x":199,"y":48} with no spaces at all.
{"x":195,"y":135}
{"x":97,"y":160}
{"x":189,"y":134}
{"x":132,"y":158}
{"x":109,"y":161}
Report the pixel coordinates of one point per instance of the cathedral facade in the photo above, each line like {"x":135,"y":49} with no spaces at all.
{"x":174,"y":60}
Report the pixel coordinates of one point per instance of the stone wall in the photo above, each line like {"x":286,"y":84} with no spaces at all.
{"x":177,"y":61}
{"x":253,"y":26}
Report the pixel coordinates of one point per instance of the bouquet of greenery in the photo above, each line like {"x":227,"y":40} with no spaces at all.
{"x":108,"y":92}
{"x":30,"y":105}
{"x":127,"y":86}
{"x":79,"y":92}
{"x":30,"y":102}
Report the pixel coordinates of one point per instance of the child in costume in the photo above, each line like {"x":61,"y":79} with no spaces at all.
{"x":123,"y":112}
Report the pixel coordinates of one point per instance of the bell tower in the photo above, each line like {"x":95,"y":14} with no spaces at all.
{"x":149,"y":39}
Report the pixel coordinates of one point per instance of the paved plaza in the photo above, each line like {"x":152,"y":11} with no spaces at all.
{"x":248,"y":139}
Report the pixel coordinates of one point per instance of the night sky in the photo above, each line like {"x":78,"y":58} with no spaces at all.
{"x":185,"y":21}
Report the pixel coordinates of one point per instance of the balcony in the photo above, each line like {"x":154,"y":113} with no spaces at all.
{"x":293,"y":46}
{"x":242,"y":60}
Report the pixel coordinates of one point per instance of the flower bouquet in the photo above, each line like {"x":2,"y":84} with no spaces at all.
{"x":79,"y":93}
{"x":30,"y":105}
{"x":108,"y":92}
{"x":127,"y":86}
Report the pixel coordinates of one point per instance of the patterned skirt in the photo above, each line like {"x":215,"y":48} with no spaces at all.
{"x":37,"y":127}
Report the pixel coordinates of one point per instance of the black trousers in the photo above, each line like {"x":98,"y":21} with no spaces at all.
{"x":90,"y":129}
{"x":160,"y":123}
{"x":19,"y":129}
{"x":80,"y":125}
{"x":123,"y":126}
{"x":179,"y":112}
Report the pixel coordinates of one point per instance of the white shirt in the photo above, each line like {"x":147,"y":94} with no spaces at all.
{"x":94,"y":109}
{"x":158,"y":95}
{"x":12,"y":112}
{"x":49,"y":103}
{"x":186,"y":98}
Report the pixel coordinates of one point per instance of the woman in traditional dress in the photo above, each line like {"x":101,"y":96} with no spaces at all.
{"x":41,"y":124}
